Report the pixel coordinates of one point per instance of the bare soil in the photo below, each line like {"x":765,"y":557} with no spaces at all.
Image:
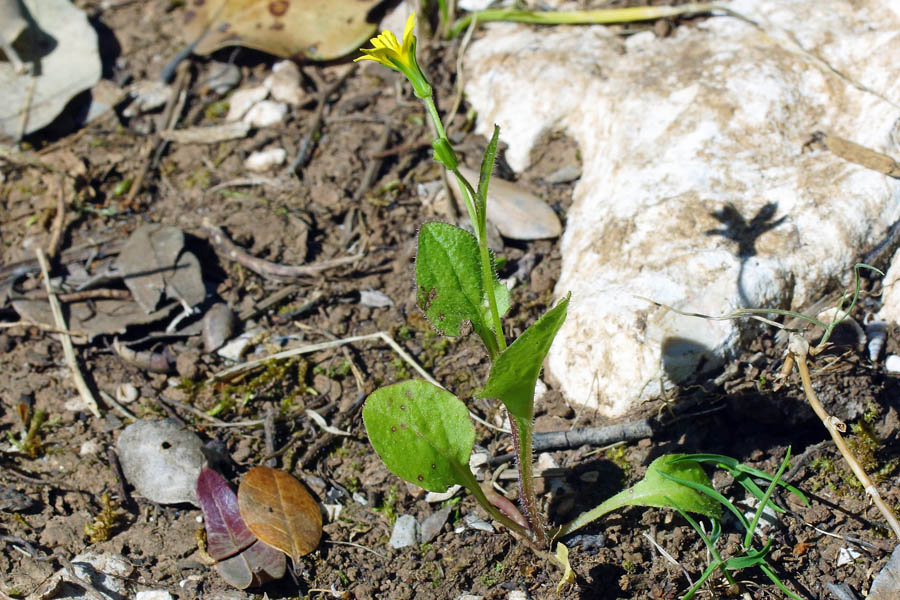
{"x":329,"y":209}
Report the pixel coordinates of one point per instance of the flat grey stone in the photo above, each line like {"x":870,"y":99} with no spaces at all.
{"x":432,"y":525}
{"x":404,"y":533}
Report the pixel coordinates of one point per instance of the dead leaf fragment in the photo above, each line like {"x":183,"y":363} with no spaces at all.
{"x":280,"y":512}
{"x":154,"y":262}
{"x":297,"y":29}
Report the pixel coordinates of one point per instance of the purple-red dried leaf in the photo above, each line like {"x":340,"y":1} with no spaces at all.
{"x":226,"y":533}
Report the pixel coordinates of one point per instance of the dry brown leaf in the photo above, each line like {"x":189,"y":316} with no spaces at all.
{"x":279,"y":511}
{"x":296,"y":29}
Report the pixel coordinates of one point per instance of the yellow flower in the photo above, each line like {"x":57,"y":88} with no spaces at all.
{"x":387,"y":51}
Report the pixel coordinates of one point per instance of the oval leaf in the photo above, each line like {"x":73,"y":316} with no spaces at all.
{"x":226,"y":533}
{"x":448,"y":282}
{"x":516,"y":370}
{"x":280,"y":512}
{"x":421,"y":432}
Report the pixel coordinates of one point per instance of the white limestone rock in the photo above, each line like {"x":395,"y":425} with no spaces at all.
{"x":685,"y":140}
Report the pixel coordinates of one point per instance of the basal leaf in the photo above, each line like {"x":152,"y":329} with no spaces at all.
{"x":226,"y":533}
{"x":515,"y":372}
{"x":656,"y":490}
{"x":448,"y":282}
{"x":421,"y":432}
{"x":280,"y":512}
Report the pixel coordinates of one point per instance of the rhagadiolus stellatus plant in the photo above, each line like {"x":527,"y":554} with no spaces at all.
{"x":422,"y":432}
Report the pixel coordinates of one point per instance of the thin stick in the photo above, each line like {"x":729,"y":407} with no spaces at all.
{"x":265,"y":268}
{"x":58,"y":221}
{"x":798,"y":348}
{"x":65,"y":339}
{"x":109,"y":399}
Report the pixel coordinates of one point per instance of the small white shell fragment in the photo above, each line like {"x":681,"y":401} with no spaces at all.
{"x":265,"y":114}
{"x":876,"y":331}
{"x":769,"y":516}
{"x":432,"y":497}
{"x":360,"y":499}
{"x":153,"y":595}
{"x":892,"y":364}
{"x":284,"y":83}
{"x":162,"y":460}
{"x":375,"y":299}
{"x":126,"y":393}
{"x":263,"y":160}
{"x":476,"y":522}
{"x":242,"y":100}
{"x":333,"y":511}
{"x":846,"y":556}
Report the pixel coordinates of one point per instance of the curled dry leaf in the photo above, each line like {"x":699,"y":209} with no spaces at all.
{"x":297,"y":29}
{"x":280,"y":512}
{"x":243,"y":560}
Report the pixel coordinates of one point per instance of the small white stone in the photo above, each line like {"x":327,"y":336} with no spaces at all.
{"x":405,"y":532}
{"x":263,"y":160}
{"x":375,"y":299}
{"x":235,"y":349}
{"x":517,"y":595}
{"x":284,"y":83}
{"x":846,"y":556}
{"x":89,"y":447}
{"x":360,"y":499}
{"x":333,"y":511}
{"x":476,"y":522}
{"x":767,"y":520}
{"x":469,"y":597}
{"x":243,"y":100}
{"x":153,"y":595}
{"x":266,"y":113}
{"x":892,"y":364}
{"x":126,"y":393}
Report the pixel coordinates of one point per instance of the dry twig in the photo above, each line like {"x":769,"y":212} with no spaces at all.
{"x":65,"y":339}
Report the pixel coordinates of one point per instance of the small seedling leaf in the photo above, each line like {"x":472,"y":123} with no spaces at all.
{"x":254,"y":566}
{"x":421,"y":432}
{"x":562,"y":555}
{"x":655,"y":489}
{"x":515,"y":372}
{"x":280,"y":512}
{"x":226,"y":533}
{"x":448,"y":282}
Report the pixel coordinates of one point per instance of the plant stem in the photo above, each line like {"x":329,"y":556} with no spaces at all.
{"x":798,"y":349}
{"x":470,"y":483}
{"x":522,"y":437}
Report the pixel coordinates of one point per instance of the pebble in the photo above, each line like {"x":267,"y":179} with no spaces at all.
{"x":263,"y":160}
{"x":469,"y":597}
{"x":218,"y":326}
{"x":517,"y":213}
{"x":265,"y":114}
{"x":243,"y":100}
{"x":126,"y":393}
{"x":892,"y":364}
{"x":432,"y":525}
{"x":284,"y":83}
{"x":89,"y":447}
{"x":517,"y":595}
{"x":375,"y":299}
{"x":153,"y":595}
{"x":476,"y":522}
{"x":223,"y":77}
{"x":187,"y":364}
{"x":404,"y":533}
{"x":235,"y":349}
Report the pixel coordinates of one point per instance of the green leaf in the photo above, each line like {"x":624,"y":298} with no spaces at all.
{"x":422,"y":433}
{"x":487,"y":167}
{"x":449,"y":285}
{"x":515,"y":372}
{"x":656,"y":490}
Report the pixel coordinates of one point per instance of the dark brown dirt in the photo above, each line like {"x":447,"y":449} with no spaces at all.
{"x":314,"y":217}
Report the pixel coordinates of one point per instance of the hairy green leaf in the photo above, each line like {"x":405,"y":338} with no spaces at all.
{"x":516,"y":370}
{"x":422,"y":433}
{"x":487,"y":167}
{"x":657,"y":490}
{"x":449,"y":285}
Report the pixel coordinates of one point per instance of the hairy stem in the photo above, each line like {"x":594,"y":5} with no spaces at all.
{"x":522,"y":436}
